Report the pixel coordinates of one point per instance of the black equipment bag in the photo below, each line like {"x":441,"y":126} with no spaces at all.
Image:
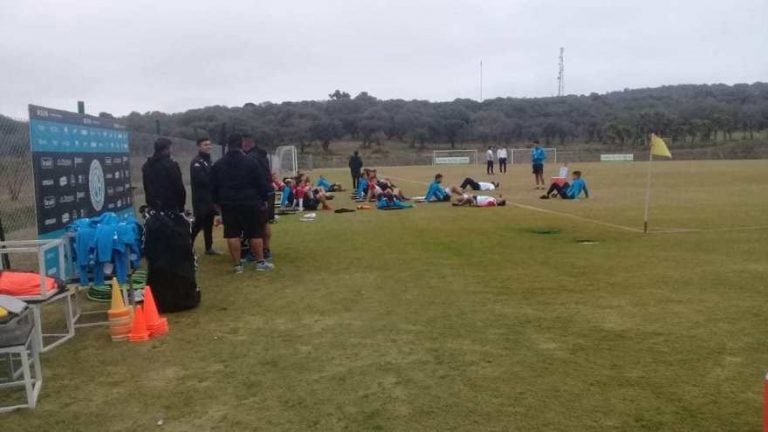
{"x":170,"y":261}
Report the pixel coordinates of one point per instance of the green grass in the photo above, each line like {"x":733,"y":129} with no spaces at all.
{"x":441,"y":318}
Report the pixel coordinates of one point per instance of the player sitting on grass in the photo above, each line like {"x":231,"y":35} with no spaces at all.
{"x":567,"y":190}
{"x":478,"y":201}
{"x":388,"y":200}
{"x":478,"y":186}
{"x":436,"y":192}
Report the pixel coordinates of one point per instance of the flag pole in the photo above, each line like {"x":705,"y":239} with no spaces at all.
{"x":648,"y":189}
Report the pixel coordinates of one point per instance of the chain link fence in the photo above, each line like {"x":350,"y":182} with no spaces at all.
{"x":731,"y":151}
{"x":17,"y":187}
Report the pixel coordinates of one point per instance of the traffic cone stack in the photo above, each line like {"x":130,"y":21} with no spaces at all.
{"x":139,"y":332}
{"x":119,"y":315}
{"x":156,"y":324}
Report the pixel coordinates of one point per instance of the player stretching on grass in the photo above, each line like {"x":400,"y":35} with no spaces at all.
{"x":481,"y":186}
{"x":568,"y":190}
{"x":476,"y":200}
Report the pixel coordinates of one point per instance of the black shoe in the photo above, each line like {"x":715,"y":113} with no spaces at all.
{"x":545,"y":196}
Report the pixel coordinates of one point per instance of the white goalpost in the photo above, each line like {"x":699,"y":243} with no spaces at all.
{"x":285,"y":161}
{"x":454,"y":157}
{"x":523,"y":155}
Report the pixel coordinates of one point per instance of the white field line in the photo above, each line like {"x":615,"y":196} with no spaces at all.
{"x":615,"y":226}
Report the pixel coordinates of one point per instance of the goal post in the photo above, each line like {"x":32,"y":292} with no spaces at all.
{"x":454,"y":157}
{"x":523,"y":155}
{"x":285,"y":161}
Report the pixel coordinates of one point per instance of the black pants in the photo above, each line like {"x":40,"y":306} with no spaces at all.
{"x":502,"y":165}
{"x":355,"y":179}
{"x":204,"y":222}
{"x":271,"y":208}
{"x":489,"y":167}
{"x":561,"y":190}
{"x":471,"y":183}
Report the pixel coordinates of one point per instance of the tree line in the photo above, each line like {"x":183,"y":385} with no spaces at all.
{"x":688,"y":115}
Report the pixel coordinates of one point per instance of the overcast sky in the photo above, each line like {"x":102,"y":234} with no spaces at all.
{"x":172,"y":55}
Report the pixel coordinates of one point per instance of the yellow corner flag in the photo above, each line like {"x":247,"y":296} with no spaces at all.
{"x":659,"y":147}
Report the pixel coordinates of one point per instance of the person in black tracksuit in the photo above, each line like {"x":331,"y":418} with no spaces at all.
{"x":355,"y":167}
{"x":202,"y":203}
{"x":238,"y":186}
{"x":260,"y":156}
{"x":163,"y":185}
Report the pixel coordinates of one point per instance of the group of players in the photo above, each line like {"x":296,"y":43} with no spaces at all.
{"x":241,"y":189}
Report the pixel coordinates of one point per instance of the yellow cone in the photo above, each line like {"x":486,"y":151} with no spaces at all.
{"x":117,"y":296}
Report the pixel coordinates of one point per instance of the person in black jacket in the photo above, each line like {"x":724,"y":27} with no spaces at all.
{"x":202,"y":203}
{"x":238,"y":187}
{"x":355,"y":165}
{"x":163,"y":184}
{"x":260,"y":156}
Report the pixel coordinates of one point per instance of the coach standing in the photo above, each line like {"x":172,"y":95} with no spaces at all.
{"x":268,"y":194}
{"x":236,"y":184}
{"x":161,"y":176}
{"x":355,"y":167}
{"x":202,"y":203}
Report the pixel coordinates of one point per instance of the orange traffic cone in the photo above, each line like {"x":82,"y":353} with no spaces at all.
{"x":156,"y":325}
{"x":139,"y":331}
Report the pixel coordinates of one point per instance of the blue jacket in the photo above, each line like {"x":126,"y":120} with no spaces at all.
{"x":287,"y":198}
{"x":323,"y":183}
{"x":577,"y":187}
{"x":538,"y":155}
{"x":435,"y":192}
{"x":362,"y":187}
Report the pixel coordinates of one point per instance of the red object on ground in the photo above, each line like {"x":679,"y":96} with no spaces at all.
{"x":21,"y":284}
{"x":765,"y":403}
{"x":559,"y":180}
{"x":156,"y":325}
{"x":139,"y":331}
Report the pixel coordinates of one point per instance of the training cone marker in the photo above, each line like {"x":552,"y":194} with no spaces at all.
{"x":139,"y":331}
{"x":117,"y":296}
{"x":156,"y":325}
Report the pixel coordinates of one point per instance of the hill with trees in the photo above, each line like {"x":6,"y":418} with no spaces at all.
{"x":688,"y":115}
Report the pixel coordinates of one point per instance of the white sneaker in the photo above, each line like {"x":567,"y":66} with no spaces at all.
{"x":264,"y":266}
{"x":238,"y":269}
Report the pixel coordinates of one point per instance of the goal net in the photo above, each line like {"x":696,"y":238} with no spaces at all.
{"x":285,"y":162}
{"x":454,"y":157}
{"x":523,"y":155}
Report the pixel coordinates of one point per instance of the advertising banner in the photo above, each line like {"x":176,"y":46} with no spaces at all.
{"x":81,"y":168}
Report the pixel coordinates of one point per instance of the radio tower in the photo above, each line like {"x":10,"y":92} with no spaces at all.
{"x":561,"y":74}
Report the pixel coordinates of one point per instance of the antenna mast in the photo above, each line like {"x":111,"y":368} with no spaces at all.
{"x":481,"y":80}
{"x":561,"y":74}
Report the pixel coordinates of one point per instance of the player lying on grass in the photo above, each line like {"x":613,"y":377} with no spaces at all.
{"x":327,"y":186}
{"x":436,"y":192}
{"x":478,"y":186}
{"x":478,"y":201}
{"x":567,"y":190}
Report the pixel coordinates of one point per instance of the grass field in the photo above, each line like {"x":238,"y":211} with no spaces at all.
{"x":440,"y":318}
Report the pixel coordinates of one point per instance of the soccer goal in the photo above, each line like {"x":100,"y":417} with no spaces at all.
{"x":285,"y":162}
{"x":523,"y":155}
{"x":454,"y":157}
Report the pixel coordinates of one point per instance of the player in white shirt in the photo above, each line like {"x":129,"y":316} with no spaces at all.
{"x":479,"y":201}
{"x":501,"y":155}
{"x":481,"y":186}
